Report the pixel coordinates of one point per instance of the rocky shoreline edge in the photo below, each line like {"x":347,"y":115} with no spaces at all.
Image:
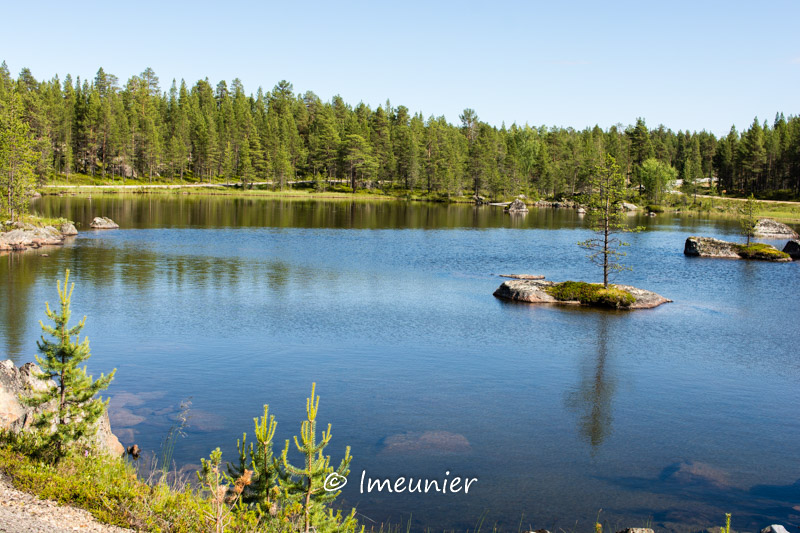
{"x":20,"y":236}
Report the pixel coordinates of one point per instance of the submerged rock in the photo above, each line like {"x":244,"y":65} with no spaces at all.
{"x":517,"y":206}
{"x":430,"y":442}
{"x":103,"y":223}
{"x":522,"y":276}
{"x":16,"y":417}
{"x":533,"y":291}
{"x":767,"y":228}
{"x":774,"y":528}
{"x":710,"y":247}
{"x":793,"y":249}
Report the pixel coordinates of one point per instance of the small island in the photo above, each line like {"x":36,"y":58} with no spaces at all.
{"x":579,"y":293}
{"x":716,"y":248}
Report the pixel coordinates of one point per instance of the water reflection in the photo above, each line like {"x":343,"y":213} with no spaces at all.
{"x":16,"y":302}
{"x":592,"y":399}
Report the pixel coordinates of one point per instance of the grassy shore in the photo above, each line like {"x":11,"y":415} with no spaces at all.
{"x":81,"y":185}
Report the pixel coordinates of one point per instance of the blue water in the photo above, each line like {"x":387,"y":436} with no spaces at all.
{"x":671,"y":416}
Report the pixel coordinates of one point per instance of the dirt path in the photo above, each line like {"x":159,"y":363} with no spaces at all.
{"x":21,"y":512}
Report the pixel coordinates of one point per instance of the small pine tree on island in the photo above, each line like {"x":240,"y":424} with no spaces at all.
{"x":748,"y":219}
{"x":606,"y":217}
{"x":76,"y":409}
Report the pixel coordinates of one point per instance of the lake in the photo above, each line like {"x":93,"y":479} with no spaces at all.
{"x":669,"y":417}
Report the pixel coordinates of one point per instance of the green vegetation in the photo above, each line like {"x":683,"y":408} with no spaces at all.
{"x":17,"y":157}
{"x":261,"y":494}
{"x":656,"y":178}
{"x":748,"y":218}
{"x":591,"y":294}
{"x":77,"y":410}
{"x":107,"y":131}
{"x":606,"y":217}
{"x":112,"y":490}
{"x":762,"y":251}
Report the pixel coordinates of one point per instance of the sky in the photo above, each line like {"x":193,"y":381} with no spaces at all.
{"x":687,"y":65}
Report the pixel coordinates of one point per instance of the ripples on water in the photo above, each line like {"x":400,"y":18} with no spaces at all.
{"x":674,"y":415}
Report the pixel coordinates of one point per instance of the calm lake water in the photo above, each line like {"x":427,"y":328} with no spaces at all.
{"x":670,"y":417}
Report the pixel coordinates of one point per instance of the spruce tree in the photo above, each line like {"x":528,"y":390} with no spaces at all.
{"x":76,"y":408}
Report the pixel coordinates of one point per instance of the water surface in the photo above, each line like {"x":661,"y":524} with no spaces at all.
{"x":671,"y":416}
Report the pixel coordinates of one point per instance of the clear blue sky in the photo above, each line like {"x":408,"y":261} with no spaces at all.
{"x":687,"y":65}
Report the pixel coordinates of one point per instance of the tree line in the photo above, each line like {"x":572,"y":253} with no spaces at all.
{"x":204,"y":132}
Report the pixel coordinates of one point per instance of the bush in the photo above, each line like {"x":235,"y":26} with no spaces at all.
{"x":655,"y":208}
{"x":591,"y":294}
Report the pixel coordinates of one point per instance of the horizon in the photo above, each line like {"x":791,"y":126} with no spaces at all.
{"x":615,"y":64}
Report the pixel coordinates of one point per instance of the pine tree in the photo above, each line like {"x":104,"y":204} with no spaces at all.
{"x":747,"y":218}
{"x":260,"y":460}
{"x":606,"y":218}
{"x":76,"y":408}
{"x":17,"y":157}
{"x":312,"y":477}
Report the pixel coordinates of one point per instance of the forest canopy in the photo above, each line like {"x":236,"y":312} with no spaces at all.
{"x":139,"y":129}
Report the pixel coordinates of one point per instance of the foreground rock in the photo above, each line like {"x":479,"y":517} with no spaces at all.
{"x":793,"y":249}
{"x":103,"y":223}
{"x":521,"y":276}
{"x":16,"y":417}
{"x":517,"y":206}
{"x":769,"y":229}
{"x":25,"y":236}
{"x":710,"y":247}
{"x":534,"y":291}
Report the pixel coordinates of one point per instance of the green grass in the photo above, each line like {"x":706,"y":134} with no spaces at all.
{"x":40,"y":221}
{"x":591,"y":294}
{"x":109,"y":489}
{"x":761,"y":251}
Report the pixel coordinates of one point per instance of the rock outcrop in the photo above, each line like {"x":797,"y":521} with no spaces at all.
{"x":103,"y":223}
{"x":67,"y":229}
{"x":533,"y":291}
{"x":16,"y":417}
{"x":629,"y":207}
{"x":517,"y":206}
{"x":522,"y":276}
{"x":793,"y":249}
{"x":770,"y":229}
{"x":29,"y":236}
{"x":710,"y":247}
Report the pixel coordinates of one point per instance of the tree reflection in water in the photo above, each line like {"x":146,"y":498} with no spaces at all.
{"x":593,"y":396}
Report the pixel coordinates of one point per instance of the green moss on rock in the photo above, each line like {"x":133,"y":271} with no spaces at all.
{"x":591,"y":294}
{"x":762,"y":251}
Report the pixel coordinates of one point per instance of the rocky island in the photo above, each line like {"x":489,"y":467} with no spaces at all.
{"x":766,"y":228}
{"x":540,"y":291}
{"x":23,"y":235}
{"x":710,"y":247}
